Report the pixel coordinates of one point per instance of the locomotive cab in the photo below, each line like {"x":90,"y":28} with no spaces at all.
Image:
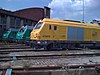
{"x":45,"y":33}
{"x":48,"y":31}
{"x":6,"y":34}
{"x":24,"y":33}
{"x":42,"y":31}
{"x":10,"y":34}
{"x":35,"y":34}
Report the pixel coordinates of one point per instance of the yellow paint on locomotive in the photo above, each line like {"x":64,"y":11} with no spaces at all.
{"x":57,"y":30}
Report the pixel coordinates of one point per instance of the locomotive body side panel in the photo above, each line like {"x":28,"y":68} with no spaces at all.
{"x":62,"y":32}
{"x":75,"y":34}
{"x":92,"y":34}
{"x":95,"y":34}
{"x":87,"y":34}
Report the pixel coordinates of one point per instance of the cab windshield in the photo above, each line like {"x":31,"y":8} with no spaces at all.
{"x":38,"y":25}
{"x":21,"y":30}
{"x":7,"y":32}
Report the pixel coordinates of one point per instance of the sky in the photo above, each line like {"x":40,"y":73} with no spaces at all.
{"x":60,"y":9}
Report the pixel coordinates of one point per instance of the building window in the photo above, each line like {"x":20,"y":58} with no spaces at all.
{"x":29,"y":23}
{"x":35,"y":22}
{"x":55,"y":27}
{"x":25,"y":21}
{"x":0,"y":26}
{"x":3,"y":19}
{"x":12,"y":22}
{"x":18,"y":21}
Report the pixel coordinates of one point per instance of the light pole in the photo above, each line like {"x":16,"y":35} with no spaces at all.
{"x":83,"y":12}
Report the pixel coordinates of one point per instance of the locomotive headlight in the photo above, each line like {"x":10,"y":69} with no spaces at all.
{"x":37,"y":35}
{"x":42,"y":42}
{"x":45,"y":42}
{"x":38,"y":42}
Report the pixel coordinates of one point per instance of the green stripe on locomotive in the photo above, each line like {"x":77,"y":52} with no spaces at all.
{"x":10,"y":34}
{"x":24,"y":33}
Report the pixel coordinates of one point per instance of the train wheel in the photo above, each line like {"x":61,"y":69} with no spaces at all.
{"x":50,"y":46}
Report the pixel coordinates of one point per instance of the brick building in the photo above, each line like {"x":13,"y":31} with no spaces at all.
{"x":16,"y":19}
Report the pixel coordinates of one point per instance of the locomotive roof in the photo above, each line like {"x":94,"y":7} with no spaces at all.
{"x":13,"y":29}
{"x":69,"y":23}
{"x":28,"y":27}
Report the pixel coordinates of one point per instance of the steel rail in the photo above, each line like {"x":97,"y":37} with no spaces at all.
{"x":21,"y":57}
{"x":52,"y":67}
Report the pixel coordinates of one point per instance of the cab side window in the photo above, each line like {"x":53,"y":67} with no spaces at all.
{"x":38,"y":25}
{"x":55,"y":27}
{"x":15,"y":32}
{"x":21,"y":30}
{"x":49,"y":27}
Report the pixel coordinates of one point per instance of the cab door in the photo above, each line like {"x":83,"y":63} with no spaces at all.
{"x":95,"y":34}
{"x":59,"y":32}
{"x":62,"y":33}
{"x":55,"y":34}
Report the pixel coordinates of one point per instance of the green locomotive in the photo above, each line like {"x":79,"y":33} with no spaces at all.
{"x":10,"y":34}
{"x":24,"y":33}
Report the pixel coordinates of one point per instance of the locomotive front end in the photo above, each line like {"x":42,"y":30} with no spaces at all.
{"x":35,"y":34}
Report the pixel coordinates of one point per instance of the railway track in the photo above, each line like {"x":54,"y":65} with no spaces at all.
{"x":28,"y":48}
{"x":48,"y":70}
{"x":23,"y":59}
{"x":74,"y":57}
{"x":53,"y":67}
{"x":22,"y":54}
{"x":25,"y":49}
{"x":32,"y":52}
{"x":5,"y":58}
{"x":20,"y":47}
{"x":50,"y":66}
{"x":13,"y":46}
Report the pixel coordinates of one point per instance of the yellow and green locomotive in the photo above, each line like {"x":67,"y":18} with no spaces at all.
{"x":58,"y":34}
